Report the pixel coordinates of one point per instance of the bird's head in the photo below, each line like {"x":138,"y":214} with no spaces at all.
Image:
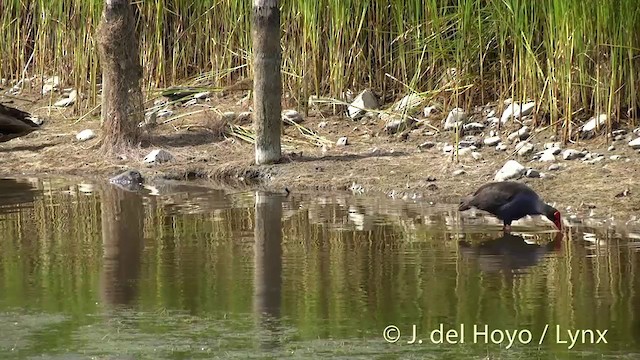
{"x":554,"y":215}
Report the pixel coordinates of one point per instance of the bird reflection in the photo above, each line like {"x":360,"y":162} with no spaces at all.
{"x":509,"y":252}
{"x":15,"y":194}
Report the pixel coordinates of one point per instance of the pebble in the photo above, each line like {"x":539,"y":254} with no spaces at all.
{"x":501,"y":147}
{"x":458,"y":172}
{"x":85,"y":135}
{"x":635,"y":144}
{"x":456,"y":117}
{"x":426,"y":145}
{"x":492,"y":141}
{"x":554,"y":167}
{"x":521,"y":134}
{"x":571,"y":154}
{"x":611,"y":148}
{"x":343,"y":141}
{"x":476,"y":155}
{"x":510,"y":170}
{"x":547,"y":157}
{"x":157,"y":156}
{"x":532,"y":173}
{"x":524,"y":148}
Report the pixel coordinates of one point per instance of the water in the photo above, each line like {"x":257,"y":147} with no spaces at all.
{"x":88,"y":271}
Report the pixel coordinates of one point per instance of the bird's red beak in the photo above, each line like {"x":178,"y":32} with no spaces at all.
{"x":557,"y":220}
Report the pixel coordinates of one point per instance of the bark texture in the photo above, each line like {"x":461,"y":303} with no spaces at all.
{"x":122,"y":102}
{"x":267,"y":83}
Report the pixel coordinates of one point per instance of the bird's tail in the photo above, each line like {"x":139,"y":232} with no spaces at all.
{"x":465,"y":203}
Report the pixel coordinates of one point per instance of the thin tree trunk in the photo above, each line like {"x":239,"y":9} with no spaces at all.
{"x":267,"y":85}
{"x":122,"y":103}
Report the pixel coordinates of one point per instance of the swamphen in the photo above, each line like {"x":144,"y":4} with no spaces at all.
{"x":509,"y":201}
{"x":15,"y":123}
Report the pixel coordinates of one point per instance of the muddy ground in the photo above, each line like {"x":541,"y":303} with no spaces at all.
{"x":373,"y":160}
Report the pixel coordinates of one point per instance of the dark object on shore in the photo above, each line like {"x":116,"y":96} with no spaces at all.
{"x":15,"y":123}
{"x":509,"y":201}
{"x":130,"y":180}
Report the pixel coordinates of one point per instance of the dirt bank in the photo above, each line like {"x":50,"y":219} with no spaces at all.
{"x":373,"y":160}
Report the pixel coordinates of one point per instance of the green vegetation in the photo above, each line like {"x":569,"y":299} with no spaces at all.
{"x":575,"y":57}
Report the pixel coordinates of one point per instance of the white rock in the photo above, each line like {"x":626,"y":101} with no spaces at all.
{"x":615,"y":157}
{"x":456,"y":118}
{"x":492,"y":141}
{"x":532,"y":173}
{"x":473,"y":126}
{"x":343,"y":141}
{"x":501,"y":147}
{"x":635,"y":144}
{"x":571,"y":154}
{"x":447,"y":148}
{"x":491,"y":113}
{"x":408,"y":103}
{"x":322,"y":124}
{"x":554,"y":167}
{"x":547,"y":157}
{"x":611,"y":148}
{"x":291,"y":116}
{"x":464,"y":151}
{"x":516,"y":111}
{"x":363,"y":102}
{"x":458,"y":172}
{"x":511,"y":170}
{"x":85,"y":135}
{"x":201,"y":95}
{"x":429,"y":110}
{"x":550,"y":145}
{"x":594,"y":122}
{"x":164,"y":113}
{"x":157,"y":156}
{"x":524,"y":148}
{"x":68,"y":101}
{"x":521,"y":134}
{"x":476,"y":155}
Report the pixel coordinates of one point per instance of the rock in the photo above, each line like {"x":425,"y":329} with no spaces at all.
{"x":343,"y":141}
{"x":456,"y":118}
{"x":521,"y":134}
{"x":51,"y":84}
{"x":322,"y":124}
{"x":553,"y":150}
{"x":190,"y":103}
{"x":130,"y":180}
{"x":291,"y":116}
{"x":554,"y":167}
{"x":458,"y":172}
{"x":551,"y":145}
{"x":429,"y":110}
{"x":532,"y":173}
{"x":474,"y":126}
{"x":470,"y":141}
{"x":408,"y":103}
{"x":635,"y":144}
{"x":363,"y":102}
{"x":398,"y":124}
{"x":426,"y":145}
{"x":491,"y":113}
{"x":524,"y":148}
{"x":476,"y":155}
{"x":68,"y":101}
{"x":515,"y":110}
{"x":157,"y":156}
{"x":202,"y":95}
{"x":615,"y":157}
{"x":571,"y":154}
{"x":547,"y":157}
{"x":594,"y":160}
{"x":492,"y":141}
{"x":85,"y":135}
{"x":611,"y":148}
{"x":510,"y":170}
{"x":593,"y":123}
{"x":619,"y":132}
{"x":464,"y":151}
{"x":447,"y":148}
{"x":501,"y":147}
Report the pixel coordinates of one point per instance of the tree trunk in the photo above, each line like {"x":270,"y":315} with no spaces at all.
{"x":122,"y":102}
{"x":122,"y":239}
{"x":267,"y":85}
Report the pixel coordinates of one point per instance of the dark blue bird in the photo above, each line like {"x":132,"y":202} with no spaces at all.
{"x":510,"y":201}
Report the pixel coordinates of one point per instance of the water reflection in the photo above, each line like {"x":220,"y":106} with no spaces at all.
{"x":202,"y":273}
{"x":15,"y":195}
{"x":268,"y":267}
{"x":509,"y":252}
{"x":122,"y":215}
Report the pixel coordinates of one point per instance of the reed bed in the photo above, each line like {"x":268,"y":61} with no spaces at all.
{"x":574,"y":57}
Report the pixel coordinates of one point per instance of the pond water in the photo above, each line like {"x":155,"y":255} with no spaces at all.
{"x":89,"y":271}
